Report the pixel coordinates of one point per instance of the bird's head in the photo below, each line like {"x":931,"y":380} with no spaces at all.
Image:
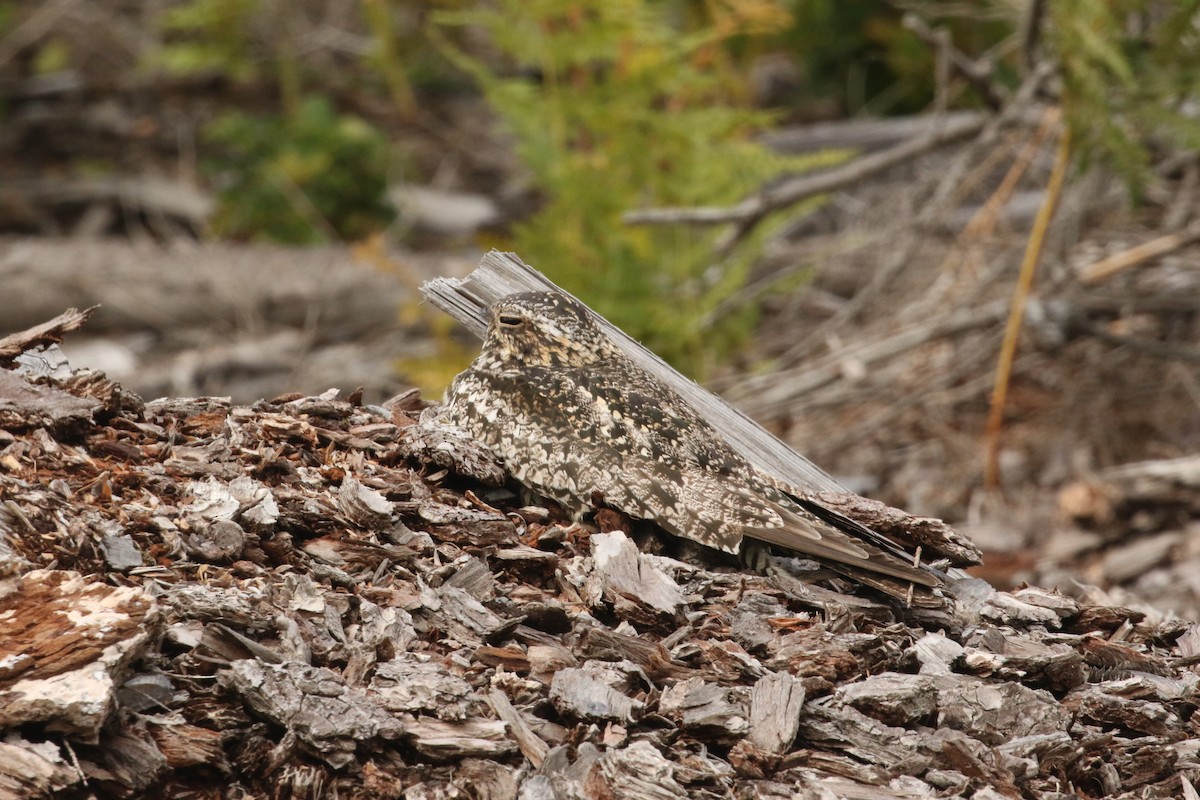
{"x":544,"y":329}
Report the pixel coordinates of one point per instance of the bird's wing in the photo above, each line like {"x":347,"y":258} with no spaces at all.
{"x":808,"y":534}
{"x":622,"y":444}
{"x":587,"y":435}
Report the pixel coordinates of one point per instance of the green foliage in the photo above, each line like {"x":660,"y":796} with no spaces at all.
{"x":861,"y":56}
{"x":212,"y":35}
{"x":616,"y":106}
{"x":53,"y":56}
{"x":385,"y":58}
{"x":310,"y":177}
{"x":1129,"y":69}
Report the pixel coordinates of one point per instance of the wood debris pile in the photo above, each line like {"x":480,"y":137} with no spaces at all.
{"x":310,"y":597}
{"x":1136,"y":527}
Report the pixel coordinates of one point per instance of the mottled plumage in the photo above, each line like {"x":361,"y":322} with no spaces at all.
{"x":571,"y":416}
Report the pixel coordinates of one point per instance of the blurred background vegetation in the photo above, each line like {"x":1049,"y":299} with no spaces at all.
{"x":300,"y":116}
{"x":253,"y":190}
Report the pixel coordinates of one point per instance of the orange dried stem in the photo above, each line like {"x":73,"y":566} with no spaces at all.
{"x":1016,"y":314}
{"x":983,"y":223}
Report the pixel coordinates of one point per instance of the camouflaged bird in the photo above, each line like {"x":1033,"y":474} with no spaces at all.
{"x":575,"y":420}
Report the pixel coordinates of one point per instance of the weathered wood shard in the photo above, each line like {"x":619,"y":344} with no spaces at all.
{"x":594,"y":693}
{"x":776,"y":702}
{"x":46,"y":333}
{"x":620,"y":573}
{"x":299,"y":598}
{"x":30,"y":770}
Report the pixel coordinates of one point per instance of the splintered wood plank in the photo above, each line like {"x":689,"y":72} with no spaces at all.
{"x":499,"y":274}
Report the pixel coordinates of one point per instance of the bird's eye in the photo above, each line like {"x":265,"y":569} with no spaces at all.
{"x":510,"y":321}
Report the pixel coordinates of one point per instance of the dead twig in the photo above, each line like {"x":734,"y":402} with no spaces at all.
{"x":1163,"y":350}
{"x":950,"y":184}
{"x":977,"y":73}
{"x":794,"y":190}
{"x":984,"y":221}
{"x":861,"y":135}
{"x":1105,"y":268}
{"x":768,"y":393}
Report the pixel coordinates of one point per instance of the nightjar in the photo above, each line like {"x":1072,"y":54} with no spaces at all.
{"x":573,"y":419}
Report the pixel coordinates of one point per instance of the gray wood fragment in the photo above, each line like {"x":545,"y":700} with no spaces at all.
{"x":133,"y":759}
{"x":538,"y":787}
{"x":462,"y":616}
{"x":620,"y":569}
{"x":25,"y":405}
{"x":120,"y":552}
{"x":1098,"y":707}
{"x":863,"y":737}
{"x":32,"y":770}
{"x":487,"y":779}
{"x":638,"y":772}
{"x":217,"y":541}
{"x":365,"y":507}
{"x":707,"y":710}
{"x":590,"y":693}
{"x":1015,"y":655}
{"x":776,"y":703}
{"x":452,"y":449}
{"x":416,"y":684}
{"x":474,"y":578}
{"x":748,"y":621}
{"x":313,"y":703}
{"x":996,"y":713}
{"x":1006,"y":609}
{"x":892,"y":698}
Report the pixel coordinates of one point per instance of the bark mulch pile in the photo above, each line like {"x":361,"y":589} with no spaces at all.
{"x":311,"y":597}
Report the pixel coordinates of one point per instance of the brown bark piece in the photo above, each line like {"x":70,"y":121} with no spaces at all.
{"x":66,"y":644}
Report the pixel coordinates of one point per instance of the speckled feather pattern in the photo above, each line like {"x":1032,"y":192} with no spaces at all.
{"x":571,"y":416}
